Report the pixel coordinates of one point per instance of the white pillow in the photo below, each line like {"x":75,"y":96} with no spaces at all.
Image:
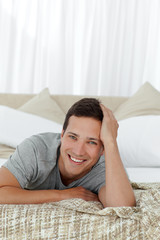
{"x":2,"y":161}
{"x":139,"y":141}
{"x":15,"y":126}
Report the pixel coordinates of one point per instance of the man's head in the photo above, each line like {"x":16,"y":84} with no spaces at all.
{"x":86,"y":107}
{"x":81,"y":145}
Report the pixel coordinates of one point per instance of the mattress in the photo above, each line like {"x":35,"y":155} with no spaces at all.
{"x":144,"y":175}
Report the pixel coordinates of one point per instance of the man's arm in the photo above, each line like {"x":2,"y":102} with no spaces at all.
{"x":12,"y":193}
{"x":118,"y":190}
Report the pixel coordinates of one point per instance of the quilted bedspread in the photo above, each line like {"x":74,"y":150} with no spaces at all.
{"x":81,"y":220}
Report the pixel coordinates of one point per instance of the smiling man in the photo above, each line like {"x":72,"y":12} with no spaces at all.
{"x":81,"y":162}
{"x":80,"y":148}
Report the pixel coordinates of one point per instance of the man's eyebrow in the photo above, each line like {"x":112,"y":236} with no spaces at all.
{"x":89,"y":138}
{"x":73,"y":134}
{"x":93,"y":139}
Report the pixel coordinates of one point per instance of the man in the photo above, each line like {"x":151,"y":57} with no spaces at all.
{"x":83,"y":162}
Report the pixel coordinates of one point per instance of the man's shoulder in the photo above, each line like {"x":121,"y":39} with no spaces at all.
{"x":47,"y":137}
{"x":43,"y":142}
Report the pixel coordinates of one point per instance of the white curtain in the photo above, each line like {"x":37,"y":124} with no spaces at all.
{"x":94,"y":47}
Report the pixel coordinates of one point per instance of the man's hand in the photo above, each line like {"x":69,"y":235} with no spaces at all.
{"x":109,"y":126}
{"x":79,"y":192}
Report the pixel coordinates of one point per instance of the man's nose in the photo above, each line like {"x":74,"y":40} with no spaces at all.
{"x":79,"y":148}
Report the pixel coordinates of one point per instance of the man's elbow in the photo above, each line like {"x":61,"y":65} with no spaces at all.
{"x":118,"y":203}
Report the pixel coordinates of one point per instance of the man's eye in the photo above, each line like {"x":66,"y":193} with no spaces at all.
{"x":72,"y":137}
{"x":93,"y":143}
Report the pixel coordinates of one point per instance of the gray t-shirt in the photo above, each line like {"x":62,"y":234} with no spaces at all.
{"x":35,"y":165}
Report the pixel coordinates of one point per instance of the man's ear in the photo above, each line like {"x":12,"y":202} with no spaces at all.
{"x":62,"y":133}
{"x":102,"y":150}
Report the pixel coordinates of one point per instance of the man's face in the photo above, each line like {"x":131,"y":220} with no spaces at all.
{"x":80,"y":148}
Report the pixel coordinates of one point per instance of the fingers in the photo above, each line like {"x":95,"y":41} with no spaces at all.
{"x":107,"y":112}
{"x":109,"y":126}
{"x":88,"y":195}
{"x":81,"y":192}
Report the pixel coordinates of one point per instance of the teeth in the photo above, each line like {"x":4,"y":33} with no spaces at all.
{"x":76,"y":160}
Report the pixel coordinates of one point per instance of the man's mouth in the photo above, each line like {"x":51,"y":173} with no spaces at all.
{"x":76,"y":160}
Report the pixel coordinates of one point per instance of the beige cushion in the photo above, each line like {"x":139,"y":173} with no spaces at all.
{"x":43,"y":105}
{"x":146,"y":101}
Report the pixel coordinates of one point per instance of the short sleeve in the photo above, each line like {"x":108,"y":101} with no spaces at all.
{"x":23,"y":163}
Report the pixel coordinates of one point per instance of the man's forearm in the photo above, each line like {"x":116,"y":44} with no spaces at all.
{"x":118,"y":190}
{"x":16,"y":195}
{"x":13,"y":195}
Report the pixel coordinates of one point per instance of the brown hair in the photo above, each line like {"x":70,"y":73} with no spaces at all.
{"x":86,"y":107}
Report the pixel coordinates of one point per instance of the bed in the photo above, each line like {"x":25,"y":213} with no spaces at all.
{"x":22,"y":115}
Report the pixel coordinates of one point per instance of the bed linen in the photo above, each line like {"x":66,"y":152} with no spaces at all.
{"x":81,"y":220}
